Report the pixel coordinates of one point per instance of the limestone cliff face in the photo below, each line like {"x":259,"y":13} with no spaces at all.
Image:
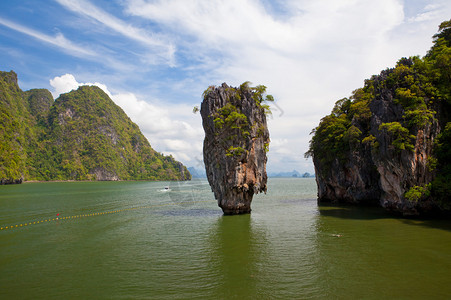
{"x":385,"y":146}
{"x":401,"y":169}
{"x":235,"y":145}
{"x":389,"y":143}
{"x":16,"y":132}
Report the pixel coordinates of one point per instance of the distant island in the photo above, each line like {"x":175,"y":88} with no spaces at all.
{"x":292,"y":174}
{"x":389,"y":144}
{"x":197,"y":172}
{"x":82,"y":135}
{"x":201,"y":173}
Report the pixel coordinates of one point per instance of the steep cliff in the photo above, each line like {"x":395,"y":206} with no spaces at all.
{"x":16,"y":131}
{"x":82,"y":135}
{"x":235,"y":144}
{"x":94,"y":139}
{"x":381,"y":147}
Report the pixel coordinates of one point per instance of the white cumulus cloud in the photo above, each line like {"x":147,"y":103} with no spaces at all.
{"x":308,"y":53}
{"x":67,"y":82}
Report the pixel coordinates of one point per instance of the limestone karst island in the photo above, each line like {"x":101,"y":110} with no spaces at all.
{"x":389,"y":144}
{"x":82,"y":135}
{"x":235,"y":144}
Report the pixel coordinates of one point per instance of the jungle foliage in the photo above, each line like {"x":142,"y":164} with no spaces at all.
{"x":72,"y":137}
{"x":230,"y":118}
{"x":421,"y":89}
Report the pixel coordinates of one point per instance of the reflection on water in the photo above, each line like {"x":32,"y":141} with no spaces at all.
{"x":366,"y":253}
{"x":237,"y":248}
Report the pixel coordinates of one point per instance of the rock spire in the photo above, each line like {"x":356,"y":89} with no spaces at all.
{"x":235,"y":144}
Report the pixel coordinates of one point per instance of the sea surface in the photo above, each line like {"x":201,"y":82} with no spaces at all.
{"x":134,"y":240}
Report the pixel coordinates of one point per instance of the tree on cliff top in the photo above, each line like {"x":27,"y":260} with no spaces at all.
{"x":444,"y":32}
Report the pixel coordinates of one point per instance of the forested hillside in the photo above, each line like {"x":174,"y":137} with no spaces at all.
{"x":82,"y":135}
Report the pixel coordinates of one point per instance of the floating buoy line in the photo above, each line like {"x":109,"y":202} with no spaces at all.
{"x":59,"y":218}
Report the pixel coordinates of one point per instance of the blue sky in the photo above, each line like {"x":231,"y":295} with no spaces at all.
{"x":155,"y":58}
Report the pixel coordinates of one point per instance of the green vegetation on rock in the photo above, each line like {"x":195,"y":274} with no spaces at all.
{"x":441,"y":186}
{"x":416,"y":193}
{"x":394,"y":116}
{"x":400,"y":135}
{"x":82,"y":135}
{"x":15,"y":130}
{"x":235,"y":144}
{"x":230,"y":117}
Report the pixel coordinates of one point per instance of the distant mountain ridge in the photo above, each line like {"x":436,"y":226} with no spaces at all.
{"x":293,"y":173}
{"x":82,"y":135}
{"x":197,"y":173}
{"x":201,"y":173}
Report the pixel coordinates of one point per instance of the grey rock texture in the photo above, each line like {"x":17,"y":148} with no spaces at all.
{"x":234,"y":146}
{"x":381,"y":175}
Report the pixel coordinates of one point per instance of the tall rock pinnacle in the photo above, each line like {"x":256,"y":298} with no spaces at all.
{"x":235,"y":144}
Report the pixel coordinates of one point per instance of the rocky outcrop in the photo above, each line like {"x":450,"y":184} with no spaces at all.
{"x":11,"y":181}
{"x":401,"y":169}
{"x":184,"y":172}
{"x":389,"y":143}
{"x":102,"y":174}
{"x":385,"y":145}
{"x":235,"y":145}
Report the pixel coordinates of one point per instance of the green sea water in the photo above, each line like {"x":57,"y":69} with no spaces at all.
{"x":134,"y":240}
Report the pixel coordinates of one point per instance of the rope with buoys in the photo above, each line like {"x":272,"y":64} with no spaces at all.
{"x":92,"y":214}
